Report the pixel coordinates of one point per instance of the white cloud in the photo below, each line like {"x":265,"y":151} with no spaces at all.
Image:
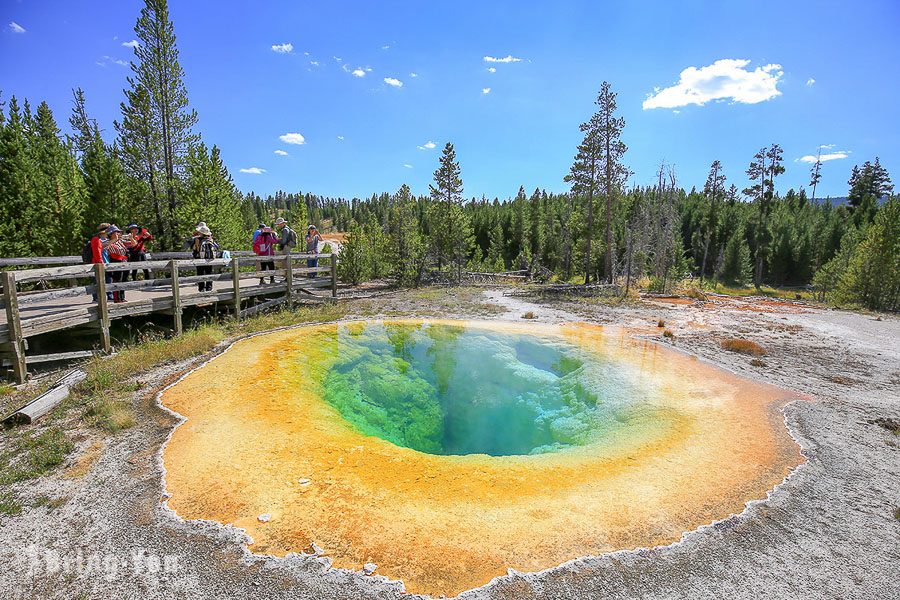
{"x":505,"y":59}
{"x":15,"y":27}
{"x":827,"y":146}
{"x":386,"y":47}
{"x":253,"y":171}
{"x":337,"y":58}
{"x":492,"y":69}
{"x":109,"y":60}
{"x":485,"y":91}
{"x":725,"y":79}
{"x":314,"y":63}
{"x":340,"y":137}
{"x":393,"y":82}
{"x":292,"y":138}
{"x":407,"y":165}
{"x":281,"y":153}
{"x":357,"y":72}
{"x":810,"y":81}
{"x":414,"y":75}
{"x":811,"y":158}
{"x":285,"y":48}
{"x":131,"y":44}
{"x":429,"y":145}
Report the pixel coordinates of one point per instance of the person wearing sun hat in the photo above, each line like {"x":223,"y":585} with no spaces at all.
{"x":118,"y":253}
{"x":204,"y":246}
{"x":288,"y":236}
{"x":136,"y":250}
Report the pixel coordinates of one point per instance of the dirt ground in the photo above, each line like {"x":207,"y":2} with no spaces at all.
{"x":830,"y":530}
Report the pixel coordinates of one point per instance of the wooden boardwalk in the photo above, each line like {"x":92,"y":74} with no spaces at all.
{"x":58,"y":294}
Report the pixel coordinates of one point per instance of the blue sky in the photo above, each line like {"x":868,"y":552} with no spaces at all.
{"x":697,"y":81}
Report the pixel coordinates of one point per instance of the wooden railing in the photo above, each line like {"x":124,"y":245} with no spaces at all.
{"x":78,"y":293}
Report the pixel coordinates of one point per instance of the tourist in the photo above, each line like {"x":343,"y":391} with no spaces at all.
{"x":203,"y":246}
{"x":99,"y":253}
{"x":312,"y":247}
{"x":257,"y":232}
{"x":139,"y":236}
{"x":118,"y":253}
{"x":288,"y":236}
{"x":264,"y":245}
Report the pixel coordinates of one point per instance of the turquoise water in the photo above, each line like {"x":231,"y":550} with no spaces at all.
{"x":450,"y":390}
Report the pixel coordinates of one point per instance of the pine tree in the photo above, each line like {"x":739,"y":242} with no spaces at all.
{"x":815,"y":173}
{"x":353,"y":267}
{"x":872,"y":277}
{"x":494,"y":260}
{"x":867,"y":186}
{"x":736,"y":267}
{"x":766,"y":166}
{"x":101,"y":170}
{"x":210,"y":196}
{"x":17,"y":175}
{"x":56,"y":207}
{"x":536,"y":234}
{"x":450,"y":226}
{"x":156,"y":131}
{"x":714,"y":190}
{"x":407,"y":256}
{"x":597,"y":169}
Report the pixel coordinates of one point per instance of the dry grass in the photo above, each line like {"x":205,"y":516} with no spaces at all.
{"x":743,"y":347}
{"x":668,"y":334}
{"x":758,"y":363}
{"x":528,"y":315}
{"x":660,"y":323}
{"x":692,"y":292}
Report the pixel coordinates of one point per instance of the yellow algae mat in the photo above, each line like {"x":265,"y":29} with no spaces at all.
{"x":448,"y":452}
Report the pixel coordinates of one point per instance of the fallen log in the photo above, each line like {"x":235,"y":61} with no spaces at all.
{"x":47,"y":401}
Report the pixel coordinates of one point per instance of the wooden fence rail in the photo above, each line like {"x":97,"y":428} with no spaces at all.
{"x":236,"y":281}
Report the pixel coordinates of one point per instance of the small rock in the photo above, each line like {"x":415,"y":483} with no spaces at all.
{"x":264,"y":518}
{"x":368,"y":568}
{"x":316,"y":550}
{"x":165,"y":495}
{"x":304,"y":481}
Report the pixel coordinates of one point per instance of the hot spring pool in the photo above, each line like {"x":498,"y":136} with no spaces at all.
{"x":451,"y":389}
{"x":447,"y":452}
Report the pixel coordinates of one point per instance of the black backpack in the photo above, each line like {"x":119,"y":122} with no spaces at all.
{"x":87,"y":253}
{"x":207,"y":249}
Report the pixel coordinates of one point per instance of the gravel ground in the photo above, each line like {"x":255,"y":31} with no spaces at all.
{"x":828,"y":531}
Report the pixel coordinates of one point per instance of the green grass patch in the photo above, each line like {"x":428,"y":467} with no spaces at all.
{"x":9,"y":505}
{"x":33,"y":454}
{"x":766,"y":291}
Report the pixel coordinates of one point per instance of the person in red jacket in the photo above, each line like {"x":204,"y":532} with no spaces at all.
{"x":99,"y":252}
{"x":118,"y":253}
{"x":136,"y":251}
{"x":264,"y":245}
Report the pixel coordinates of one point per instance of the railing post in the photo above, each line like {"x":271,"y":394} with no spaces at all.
{"x":236,"y":282}
{"x":11,"y":300}
{"x":288,"y":276}
{"x":176,"y":296}
{"x":333,"y":275}
{"x":103,"y":306}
